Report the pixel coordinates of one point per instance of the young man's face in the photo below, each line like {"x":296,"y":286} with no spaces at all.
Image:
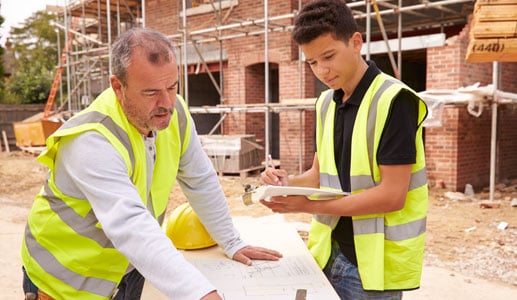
{"x":334,"y":62}
{"x":150,"y":93}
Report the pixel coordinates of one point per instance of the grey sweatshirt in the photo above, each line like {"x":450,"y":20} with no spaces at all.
{"x":94,"y":170}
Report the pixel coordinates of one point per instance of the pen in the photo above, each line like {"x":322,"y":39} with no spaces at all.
{"x":279,"y":179}
{"x":270,"y":159}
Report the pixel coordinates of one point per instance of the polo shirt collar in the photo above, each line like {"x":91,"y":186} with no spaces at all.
{"x":362,"y":86}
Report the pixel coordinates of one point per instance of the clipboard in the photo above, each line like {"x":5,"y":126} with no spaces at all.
{"x":266,"y":191}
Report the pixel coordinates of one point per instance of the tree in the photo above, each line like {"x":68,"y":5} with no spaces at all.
{"x":2,"y":71}
{"x":36,"y":51}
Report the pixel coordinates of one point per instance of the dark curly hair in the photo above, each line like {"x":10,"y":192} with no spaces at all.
{"x":324,"y":16}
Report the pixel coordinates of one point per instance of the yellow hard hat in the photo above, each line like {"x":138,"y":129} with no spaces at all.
{"x":186,"y":231}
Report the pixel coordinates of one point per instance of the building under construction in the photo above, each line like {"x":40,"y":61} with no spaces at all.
{"x":241,"y":73}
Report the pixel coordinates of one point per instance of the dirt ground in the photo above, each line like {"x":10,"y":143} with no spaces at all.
{"x":462,"y":237}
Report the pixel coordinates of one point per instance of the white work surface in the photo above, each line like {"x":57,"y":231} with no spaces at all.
{"x":264,"y":279}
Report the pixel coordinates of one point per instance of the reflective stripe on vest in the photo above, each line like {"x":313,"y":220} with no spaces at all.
{"x":86,"y":226}
{"x":380,"y":233}
{"x":80,"y":224}
{"x":107,"y":121}
{"x":54,"y":267}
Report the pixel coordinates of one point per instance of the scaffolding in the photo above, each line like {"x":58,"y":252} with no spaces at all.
{"x":102,"y":20}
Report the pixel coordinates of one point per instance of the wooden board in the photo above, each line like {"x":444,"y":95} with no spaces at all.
{"x":496,"y":13}
{"x":490,"y":30}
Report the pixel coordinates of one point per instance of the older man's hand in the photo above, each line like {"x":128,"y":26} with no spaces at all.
{"x":247,"y":254}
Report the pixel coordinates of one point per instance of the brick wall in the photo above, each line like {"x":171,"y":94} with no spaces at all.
{"x":506,"y":148}
{"x":507,"y":80}
{"x":254,"y":91}
{"x":473,"y":143}
{"x":442,"y":150}
{"x":297,"y":128}
{"x":162,"y":15}
{"x":297,"y":140}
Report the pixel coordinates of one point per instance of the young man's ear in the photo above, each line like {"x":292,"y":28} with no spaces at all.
{"x":357,"y":41}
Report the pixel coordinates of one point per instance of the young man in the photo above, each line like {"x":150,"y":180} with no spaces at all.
{"x":369,"y":143}
{"x":94,"y":229}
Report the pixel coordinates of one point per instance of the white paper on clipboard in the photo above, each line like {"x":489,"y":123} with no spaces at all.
{"x":266,"y":191}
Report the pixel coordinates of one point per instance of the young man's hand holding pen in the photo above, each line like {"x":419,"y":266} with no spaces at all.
{"x":272,"y":175}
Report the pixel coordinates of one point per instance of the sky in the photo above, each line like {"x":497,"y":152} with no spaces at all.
{"x":16,"y":11}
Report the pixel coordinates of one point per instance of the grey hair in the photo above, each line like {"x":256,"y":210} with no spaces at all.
{"x":157,"y":46}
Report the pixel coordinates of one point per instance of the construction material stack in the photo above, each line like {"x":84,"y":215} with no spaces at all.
{"x":233,"y":153}
{"x":493,"y":34}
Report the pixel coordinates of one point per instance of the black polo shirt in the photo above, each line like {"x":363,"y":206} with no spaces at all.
{"x":397,"y":144}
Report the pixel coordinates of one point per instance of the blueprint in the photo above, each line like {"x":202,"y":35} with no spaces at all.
{"x":271,"y":280}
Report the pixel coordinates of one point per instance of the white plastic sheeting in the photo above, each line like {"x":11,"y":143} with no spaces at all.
{"x":474,"y":96}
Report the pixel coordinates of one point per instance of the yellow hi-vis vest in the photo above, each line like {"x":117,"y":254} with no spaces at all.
{"x":390,"y":246}
{"x":65,"y":251}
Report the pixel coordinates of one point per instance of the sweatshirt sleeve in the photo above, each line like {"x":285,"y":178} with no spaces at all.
{"x":200,"y":184}
{"x":90,"y":168}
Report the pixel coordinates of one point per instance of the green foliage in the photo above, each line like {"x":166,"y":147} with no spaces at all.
{"x":32,"y":83}
{"x":35,"y":47}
